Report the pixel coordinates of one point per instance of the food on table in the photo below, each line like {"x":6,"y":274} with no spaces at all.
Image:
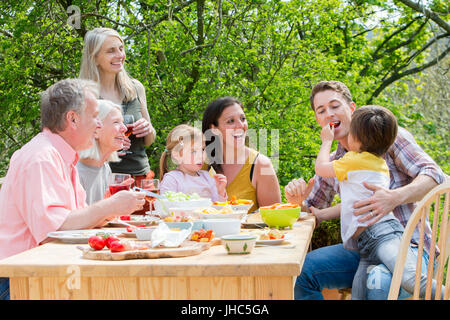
{"x":109,"y":238}
{"x":282,"y":206}
{"x":125,"y":218}
{"x":96,"y":242}
{"x":202,"y":235}
{"x":180,"y":196}
{"x":178,"y":219}
{"x":133,"y":245}
{"x":131,"y":229}
{"x":212,"y":172}
{"x":117,"y":246}
{"x":233,"y":202}
{"x":271,"y":234}
{"x":224,"y":210}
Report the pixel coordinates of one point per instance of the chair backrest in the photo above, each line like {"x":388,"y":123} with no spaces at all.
{"x":438,"y":198}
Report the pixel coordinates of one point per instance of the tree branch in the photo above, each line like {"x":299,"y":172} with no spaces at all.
{"x":396,"y":76}
{"x":428,"y":13}
{"x":200,"y":44}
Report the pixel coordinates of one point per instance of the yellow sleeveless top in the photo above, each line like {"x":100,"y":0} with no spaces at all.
{"x":241,"y":187}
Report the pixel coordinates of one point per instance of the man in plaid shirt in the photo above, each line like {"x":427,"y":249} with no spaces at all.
{"x":412,"y":175}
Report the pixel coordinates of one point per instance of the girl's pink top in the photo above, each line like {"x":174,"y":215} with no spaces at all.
{"x":202,"y":184}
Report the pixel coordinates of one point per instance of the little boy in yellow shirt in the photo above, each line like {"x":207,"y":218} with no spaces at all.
{"x":373,"y":129}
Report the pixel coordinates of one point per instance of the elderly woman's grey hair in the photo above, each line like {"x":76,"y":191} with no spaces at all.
{"x":104,"y":108}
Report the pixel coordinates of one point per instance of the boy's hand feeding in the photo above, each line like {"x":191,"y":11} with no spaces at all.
{"x":327,"y":133}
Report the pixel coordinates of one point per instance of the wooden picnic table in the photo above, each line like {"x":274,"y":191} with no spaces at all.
{"x":56,"y":270}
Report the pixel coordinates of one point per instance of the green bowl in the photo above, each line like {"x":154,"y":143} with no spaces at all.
{"x":280,"y":218}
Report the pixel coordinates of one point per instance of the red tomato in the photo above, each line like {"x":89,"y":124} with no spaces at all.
{"x":125,"y":218}
{"x":110,"y":240}
{"x":117,"y":246}
{"x":129,"y":229}
{"x":332,"y":124}
{"x":97,"y":242}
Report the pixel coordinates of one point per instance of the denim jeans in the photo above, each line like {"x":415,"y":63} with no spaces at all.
{"x":4,"y":288}
{"x":379,"y":244}
{"x":334,"y":267}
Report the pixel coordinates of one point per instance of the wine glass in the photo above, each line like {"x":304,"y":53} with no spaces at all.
{"x":118,"y":182}
{"x":153,"y":186}
{"x":128,"y":120}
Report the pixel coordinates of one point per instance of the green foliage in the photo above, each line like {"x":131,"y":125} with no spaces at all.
{"x":267,"y":53}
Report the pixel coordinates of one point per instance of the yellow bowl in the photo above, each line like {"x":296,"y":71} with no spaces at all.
{"x":279,"y":218}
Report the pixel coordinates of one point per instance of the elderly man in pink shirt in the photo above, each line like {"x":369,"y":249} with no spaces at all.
{"x":41,"y":192}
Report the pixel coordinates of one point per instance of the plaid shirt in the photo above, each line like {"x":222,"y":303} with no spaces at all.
{"x":406,"y":160}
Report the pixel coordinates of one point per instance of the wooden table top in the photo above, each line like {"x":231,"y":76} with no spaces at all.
{"x":57,"y":259}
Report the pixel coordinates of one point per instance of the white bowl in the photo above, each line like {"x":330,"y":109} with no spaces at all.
{"x":239,"y":243}
{"x":234,"y":207}
{"x":235,"y":215}
{"x":144,"y":233}
{"x":222,"y":227}
{"x":164,"y":206}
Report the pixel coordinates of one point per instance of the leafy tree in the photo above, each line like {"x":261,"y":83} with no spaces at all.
{"x":268,"y":53}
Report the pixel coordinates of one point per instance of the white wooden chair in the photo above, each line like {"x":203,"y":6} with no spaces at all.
{"x":438,"y":198}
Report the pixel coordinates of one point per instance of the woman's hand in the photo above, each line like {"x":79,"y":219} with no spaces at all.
{"x":125,"y":146}
{"x":221,"y":183}
{"x":142,"y":128}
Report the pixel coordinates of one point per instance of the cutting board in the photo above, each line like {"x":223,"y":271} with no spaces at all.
{"x":187,"y":248}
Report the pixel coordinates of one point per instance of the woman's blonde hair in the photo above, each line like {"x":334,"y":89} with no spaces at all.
{"x":93,"y":41}
{"x":104,"y":109}
{"x":177,"y":138}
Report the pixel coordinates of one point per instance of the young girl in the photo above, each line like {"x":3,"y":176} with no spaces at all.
{"x":373,"y":129}
{"x":186,"y":148}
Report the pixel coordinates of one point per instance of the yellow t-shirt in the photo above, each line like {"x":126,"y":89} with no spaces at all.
{"x":241,"y":187}
{"x":355,"y":161}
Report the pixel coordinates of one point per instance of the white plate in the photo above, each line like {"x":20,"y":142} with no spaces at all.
{"x":135,"y":220}
{"x":79,"y":236}
{"x":273,"y":242}
{"x":234,"y":207}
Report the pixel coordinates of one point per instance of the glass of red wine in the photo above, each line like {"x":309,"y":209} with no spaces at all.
{"x":118,"y":182}
{"x":128,"y":121}
{"x":153,"y":186}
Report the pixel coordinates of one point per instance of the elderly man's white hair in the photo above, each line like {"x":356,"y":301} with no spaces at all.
{"x":64,"y":96}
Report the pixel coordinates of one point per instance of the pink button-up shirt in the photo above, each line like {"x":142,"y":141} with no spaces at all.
{"x":40,"y":189}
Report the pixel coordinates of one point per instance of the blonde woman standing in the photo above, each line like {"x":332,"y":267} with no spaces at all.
{"x":103,"y":61}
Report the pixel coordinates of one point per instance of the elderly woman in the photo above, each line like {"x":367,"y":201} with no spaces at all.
{"x":93,"y":167}
{"x":250,"y":174}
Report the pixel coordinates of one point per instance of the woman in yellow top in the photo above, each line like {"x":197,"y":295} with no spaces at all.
{"x":250,"y":174}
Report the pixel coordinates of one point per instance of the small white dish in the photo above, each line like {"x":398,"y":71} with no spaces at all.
{"x":222,"y":227}
{"x":239,"y":243}
{"x":144,"y":233}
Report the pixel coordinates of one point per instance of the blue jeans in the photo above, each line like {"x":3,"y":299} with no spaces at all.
{"x":4,"y":288}
{"x":379,"y":244}
{"x":334,"y":267}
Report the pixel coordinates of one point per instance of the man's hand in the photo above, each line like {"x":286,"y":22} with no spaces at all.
{"x":297,"y":190}
{"x":378,"y":205}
